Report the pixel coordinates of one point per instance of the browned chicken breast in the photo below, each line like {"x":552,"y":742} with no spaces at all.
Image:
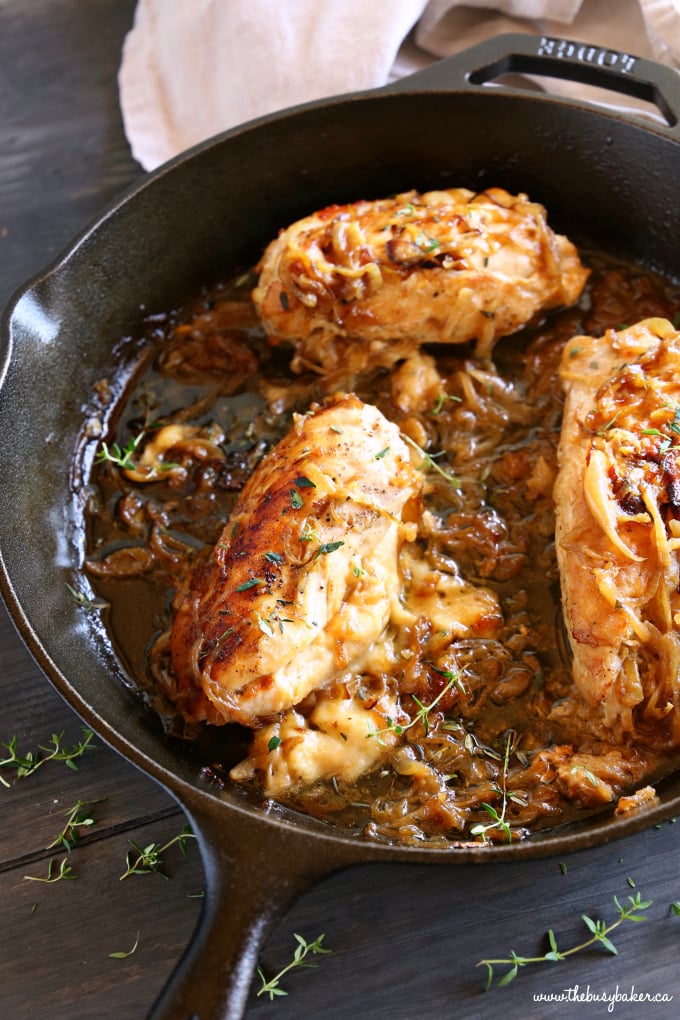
{"x":617,"y":499}
{"x":302,"y":579}
{"x":369,"y":282}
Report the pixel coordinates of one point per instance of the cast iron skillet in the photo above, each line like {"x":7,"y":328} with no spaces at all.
{"x":609,"y":181}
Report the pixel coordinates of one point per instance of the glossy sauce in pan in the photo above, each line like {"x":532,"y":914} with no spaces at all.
{"x":511,"y":748}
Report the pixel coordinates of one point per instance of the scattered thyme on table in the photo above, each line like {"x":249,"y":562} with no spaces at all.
{"x":272,"y":987}
{"x":28,"y":763}
{"x":600,"y":932}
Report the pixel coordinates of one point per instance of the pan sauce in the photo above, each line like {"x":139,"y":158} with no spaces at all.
{"x":509,"y":747}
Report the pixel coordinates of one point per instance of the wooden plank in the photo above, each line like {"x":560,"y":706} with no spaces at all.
{"x":63,"y":155}
{"x":32,"y":711}
{"x":57,"y":938}
{"x":407,"y":939}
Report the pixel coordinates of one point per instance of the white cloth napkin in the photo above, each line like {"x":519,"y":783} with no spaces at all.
{"x":192,"y":68}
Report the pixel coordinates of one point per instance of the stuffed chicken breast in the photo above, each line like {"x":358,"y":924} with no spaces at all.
{"x":617,"y":500}
{"x":367,"y":283}
{"x":301,"y":582}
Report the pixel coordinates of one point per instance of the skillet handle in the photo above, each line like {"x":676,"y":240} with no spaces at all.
{"x":523,"y":53}
{"x":254,"y":869}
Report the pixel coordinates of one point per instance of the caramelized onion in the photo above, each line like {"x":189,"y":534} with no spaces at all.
{"x":129,"y":562}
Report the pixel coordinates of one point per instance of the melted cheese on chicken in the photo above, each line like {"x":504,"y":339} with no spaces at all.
{"x":369,"y":282}
{"x":343,"y":732}
{"x":617,"y":499}
{"x":348,"y":726}
{"x":302,"y":580}
{"x":293,"y":626}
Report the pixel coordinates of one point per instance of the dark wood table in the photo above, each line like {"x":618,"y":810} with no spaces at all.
{"x":405,"y":940}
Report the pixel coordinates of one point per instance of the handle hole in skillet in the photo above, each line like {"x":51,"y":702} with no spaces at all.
{"x":585,"y":83}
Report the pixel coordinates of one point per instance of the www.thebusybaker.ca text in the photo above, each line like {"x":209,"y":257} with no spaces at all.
{"x":610,"y":999}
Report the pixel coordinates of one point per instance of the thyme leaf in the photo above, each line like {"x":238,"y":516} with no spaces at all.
{"x":599,"y":935}
{"x":440,"y":401}
{"x":120,"y":456}
{"x":327,"y":547}
{"x":274,"y":557}
{"x":448,"y":674}
{"x":150,"y":857}
{"x":65,"y":872}
{"x":272,"y":987}
{"x":122,"y":954}
{"x":264,"y":623}
{"x":610,"y":423}
{"x":84,"y":601}
{"x":423,"y":714}
{"x":252,"y":583}
{"x":428,"y":463}
{"x":498,"y":821}
{"x":28,"y":763}
{"x":76,"y":819}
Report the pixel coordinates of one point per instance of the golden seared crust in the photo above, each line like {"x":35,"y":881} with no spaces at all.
{"x":301,"y":581}
{"x":369,"y":282}
{"x":617,"y":499}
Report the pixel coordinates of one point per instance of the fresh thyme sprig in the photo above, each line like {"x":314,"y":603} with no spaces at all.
{"x":30,"y":762}
{"x":423,"y":713}
{"x":600,"y":932}
{"x":150,"y":857}
{"x":120,"y":456}
{"x":76,"y":819}
{"x":65,"y":872}
{"x":428,"y":462}
{"x":272,"y":988}
{"x":498,"y":821}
